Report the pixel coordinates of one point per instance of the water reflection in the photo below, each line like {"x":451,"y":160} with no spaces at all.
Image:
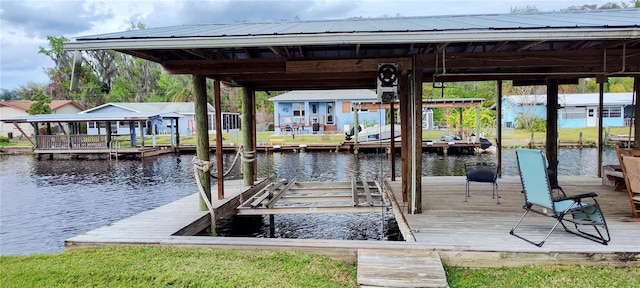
{"x":44,"y":202}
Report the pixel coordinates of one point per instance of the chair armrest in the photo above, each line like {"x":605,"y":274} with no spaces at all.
{"x":579,"y":196}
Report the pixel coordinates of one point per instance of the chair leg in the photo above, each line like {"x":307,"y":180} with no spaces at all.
{"x":497,"y":194}
{"x":466,"y":192}
{"x":539,"y":244}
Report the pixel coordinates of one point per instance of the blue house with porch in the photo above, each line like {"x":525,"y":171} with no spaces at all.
{"x":323,"y":111}
{"x":574,"y":110}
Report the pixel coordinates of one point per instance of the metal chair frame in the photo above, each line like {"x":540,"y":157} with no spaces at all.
{"x":490,"y":175}
{"x":538,"y":192}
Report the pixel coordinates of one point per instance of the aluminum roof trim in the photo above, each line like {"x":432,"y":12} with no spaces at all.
{"x":563,"y":34}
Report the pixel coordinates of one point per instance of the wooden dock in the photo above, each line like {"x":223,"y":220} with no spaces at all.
{"x":124,"y":152}
{"x":450,"y":231}
{"x":476,"y":232}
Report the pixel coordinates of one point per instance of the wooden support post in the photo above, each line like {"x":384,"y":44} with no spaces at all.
{"x":405,"y":127}
{"x":552,"y":121}
{"x":247,"y":133}
{"x":202,"y":135}
{"x":499,"y":128}
{"x":416,"y":149}
{"x":356,"y":127}
{"x":636,"y":134}
{"x":461,"y":122}
{"x":140,"y":124}
{"x":219,"y":152}
{"x":600,"y":111}
{"x":477,"y":138}
{"x":177,"y":134}
{"x":254,"y":131}
{"x":108,"y":131}
{"x":392,"y":145}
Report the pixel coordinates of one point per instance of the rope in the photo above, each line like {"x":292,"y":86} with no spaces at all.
{"x":248,"y":156}
{"x":202,"y":166}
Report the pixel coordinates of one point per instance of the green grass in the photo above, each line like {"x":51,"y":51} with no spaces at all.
{"x":544,"y":276}
{"x":175,"y":267}
{"x":209,"y":267}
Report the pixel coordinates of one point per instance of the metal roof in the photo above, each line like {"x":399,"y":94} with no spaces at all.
{"x":323,"y":95}
{"x":80,"y":117}
{"x":344,"y":54}
{"x":493,"y":22}
{"x":151,"y":107}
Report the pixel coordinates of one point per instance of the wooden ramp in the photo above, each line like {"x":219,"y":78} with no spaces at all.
{"x":400,"y":268}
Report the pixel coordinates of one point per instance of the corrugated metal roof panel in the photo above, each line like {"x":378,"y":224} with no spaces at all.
{"x":597,"y":18}
{"x":323,"y":95}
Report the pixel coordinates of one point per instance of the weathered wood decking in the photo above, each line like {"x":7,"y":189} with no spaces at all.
{"x":476,"y":233}
{"x":473,"y":233}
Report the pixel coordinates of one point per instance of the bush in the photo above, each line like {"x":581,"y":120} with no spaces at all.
{"x":4,"y":139}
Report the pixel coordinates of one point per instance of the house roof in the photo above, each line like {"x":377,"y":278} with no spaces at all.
{"x":151,"y":107}
{"x":24,"y":105}
{"x":344,"y":54}
{"x":94,"y":117}
{"x":323,"y":95}
{"x":577,"y":99}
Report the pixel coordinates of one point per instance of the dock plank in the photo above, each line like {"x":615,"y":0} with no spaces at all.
{"x":400,"y":268}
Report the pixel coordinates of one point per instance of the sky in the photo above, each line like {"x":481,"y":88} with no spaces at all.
{"x":25,"y":24}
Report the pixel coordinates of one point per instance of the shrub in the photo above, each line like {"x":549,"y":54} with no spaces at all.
{"x":4,"y":139}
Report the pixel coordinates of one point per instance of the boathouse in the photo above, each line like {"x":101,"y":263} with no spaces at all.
{"x":185,"y":124}
{"x":575,"y":110}
{"x":527,"y":49}
{"x":324,"y":111}
{"x":17,"y":108}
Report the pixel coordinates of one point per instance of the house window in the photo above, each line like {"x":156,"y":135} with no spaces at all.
{"x":574,"y":113}
{"x":92,"y":125}
{"x":298,"y":109}
{"x":611,"y":112}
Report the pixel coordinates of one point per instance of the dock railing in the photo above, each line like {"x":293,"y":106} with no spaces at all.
{"x":71,"y":142}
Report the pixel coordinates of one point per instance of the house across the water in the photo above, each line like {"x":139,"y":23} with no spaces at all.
{"x":186,"y":123}
{"x":18,"y":108}
{"x":574,"y":110}
{"x":324,"y":111}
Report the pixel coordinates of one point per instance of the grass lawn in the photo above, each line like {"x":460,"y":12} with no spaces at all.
{"x":174,"y":267}
{"x":207,"y":267}
{"x":545,"y":276}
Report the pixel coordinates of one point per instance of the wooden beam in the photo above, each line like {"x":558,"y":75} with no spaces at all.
{"x":309,"y":210}
{"x":586,"y":59}
{"x":343,"y":65}
{"x":223,"y":67}
{"x":431,"y":103}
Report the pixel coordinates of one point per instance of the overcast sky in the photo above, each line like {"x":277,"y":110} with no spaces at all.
{"x":25,"y":24}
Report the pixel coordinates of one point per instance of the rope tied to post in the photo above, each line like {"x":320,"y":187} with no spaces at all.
{"x":248,"y":156}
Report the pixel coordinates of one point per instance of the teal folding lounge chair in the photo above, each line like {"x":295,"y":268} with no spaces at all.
{"x":568,"y":211}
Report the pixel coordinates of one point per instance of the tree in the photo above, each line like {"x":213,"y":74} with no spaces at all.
{"x":41,"y":104}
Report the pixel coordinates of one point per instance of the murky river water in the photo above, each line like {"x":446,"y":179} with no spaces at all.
{"x":42,"y":203}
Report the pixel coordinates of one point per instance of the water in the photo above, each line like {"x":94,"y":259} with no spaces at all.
{"x":42,"y":203}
